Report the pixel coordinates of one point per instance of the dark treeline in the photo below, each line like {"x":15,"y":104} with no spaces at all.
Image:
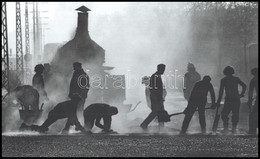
{"x":232,"y":25}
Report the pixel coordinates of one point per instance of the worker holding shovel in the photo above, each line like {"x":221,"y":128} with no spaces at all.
{"x":198,"y":99}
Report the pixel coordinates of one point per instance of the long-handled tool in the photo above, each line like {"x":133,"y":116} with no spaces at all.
{"x":250,"y":114}
{"x":42,"y":106}
{"x":183,"y":112}
{"x":216,"y":119}
{"x":135,"y":106}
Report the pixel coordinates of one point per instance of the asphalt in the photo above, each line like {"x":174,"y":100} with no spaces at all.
{"x":129,"y":145}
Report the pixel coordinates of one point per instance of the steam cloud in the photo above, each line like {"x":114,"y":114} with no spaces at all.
{"x":135,"y":41}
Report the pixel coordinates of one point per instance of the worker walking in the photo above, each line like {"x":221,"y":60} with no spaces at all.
{"x":157,"y":100}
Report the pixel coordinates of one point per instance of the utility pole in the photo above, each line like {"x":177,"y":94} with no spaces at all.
{"x":27,"y":35}
{"x":37,"y":32}
{"x":5,"y":57}
{"x":28,"y":56}
{"x":34,"y":33}
{"x":19,"y":48}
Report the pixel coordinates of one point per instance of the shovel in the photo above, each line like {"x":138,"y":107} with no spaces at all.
{"x":183,"y":112}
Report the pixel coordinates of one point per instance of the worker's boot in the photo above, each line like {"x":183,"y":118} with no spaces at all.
{"x":35,"y":128}
{"x":86,"y":131}
{"x":43,"y":129}
{"x":234,"y":127}
{"x":203,"y":131}
{"x":161,"y":126}
{"x":225,"y":132}
{"x":23,"y":127}
{"x":65,"y":130}
{"x":183,"y":133}
{"x":144,"y":127}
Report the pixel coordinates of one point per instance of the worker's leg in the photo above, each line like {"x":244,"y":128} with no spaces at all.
{"x":50,"y":120}
{"x":148,"y":120}
{"x":88,"y":122}
{"x":187,"y":119}
{"x":75,"y":122}
{"x":161,"y":126}
{"x":224,"y":115}
{"x":250,"y":121}
{"x":235,"y":115}
{"x":254,"y":118}
{"x":202,"y":118}
{"x":67,"y":125}
{"x":36,"y":102}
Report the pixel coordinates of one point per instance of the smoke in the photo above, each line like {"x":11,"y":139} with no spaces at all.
{"x":10,"y":117}
{"x":136,"y":38}
{"x":136,"y":41}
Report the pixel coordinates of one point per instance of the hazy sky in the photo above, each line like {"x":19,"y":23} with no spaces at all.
{"x":61,"y":15}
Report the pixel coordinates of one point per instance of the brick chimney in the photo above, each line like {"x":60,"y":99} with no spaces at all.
{"x":82,"y":27}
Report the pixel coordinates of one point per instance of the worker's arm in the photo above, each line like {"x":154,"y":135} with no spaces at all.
{"x":97,"y":123}
{"x":107,"y":123}
{"x":212,"y":94}
{"x":221,"y":91}
{"x":185,"y":82}
{"x":243,"y":88}
{"x":213,"y":98}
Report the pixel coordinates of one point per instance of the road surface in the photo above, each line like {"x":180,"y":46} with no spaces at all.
{"x":129,"y":145}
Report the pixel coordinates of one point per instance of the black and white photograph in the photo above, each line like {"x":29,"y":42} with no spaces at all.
{"x":129,"y":79}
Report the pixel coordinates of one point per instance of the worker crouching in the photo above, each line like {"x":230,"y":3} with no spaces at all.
{"x":93,"y":114}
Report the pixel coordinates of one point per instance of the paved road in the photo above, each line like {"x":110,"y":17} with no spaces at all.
{"x":131,"y":145}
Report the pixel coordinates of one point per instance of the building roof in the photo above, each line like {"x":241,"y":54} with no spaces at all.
{"x":83,"y":9}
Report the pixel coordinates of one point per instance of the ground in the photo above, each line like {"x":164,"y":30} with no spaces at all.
{"x":129,"y":145}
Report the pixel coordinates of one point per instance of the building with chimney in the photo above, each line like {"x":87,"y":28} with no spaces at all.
{"x":81,"y":48}
{"x":92,"y":56}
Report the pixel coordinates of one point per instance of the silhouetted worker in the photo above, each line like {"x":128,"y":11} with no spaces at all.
{"x":253,"y":108}
{"x":190,"y":78}
{"x":198,"y":99}
{"x":146,"y":82}
{"x":79,"y":84}
{"x":232,"y":100}
{"x":93,"y":114}
{"x":38,"y":82}
{"x":63,"y":110}
{"x":156,"y":96}
{"x":47,"y":72}
{"x":27,"y":96}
